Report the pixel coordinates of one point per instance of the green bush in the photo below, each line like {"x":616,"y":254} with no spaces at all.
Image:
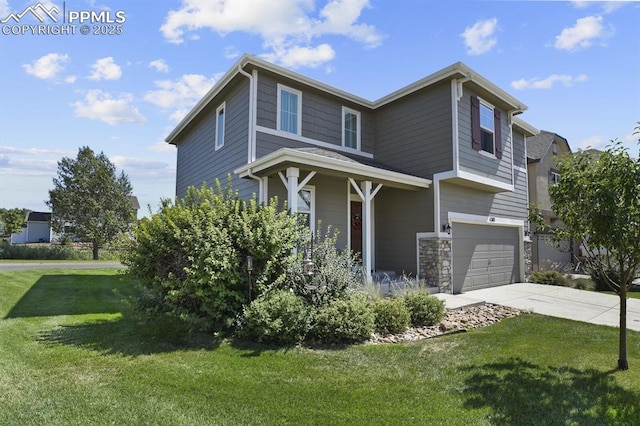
{"x":190,"y":257}
{"x":51,"y":252}
{"x":391,"y":316}
{"x":276,"y":317}
{"x":584,"y":284}
{"x":424,"y":309}
{"x":348,"y":320}
{"x":335,"y":272}
{"x":601,"y":282}
{"x":550,"y":278}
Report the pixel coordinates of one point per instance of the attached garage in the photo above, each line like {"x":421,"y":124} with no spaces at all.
{"x":484,"y":256}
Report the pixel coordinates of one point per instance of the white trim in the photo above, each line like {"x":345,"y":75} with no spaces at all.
{"x":298,"y":93}
{"x":455,"y":98}
{"x":284,"y":155}
{"x":221,"y":107}
{"x":345,"y":111}
{"x":487,"y":153}
{"x":481,"y":103}
{"x":520,"y":169}
{"x":310,"y":141}
{"x":484,"y":220}
{"x":253,"y":104}
{"x":484,"y":180}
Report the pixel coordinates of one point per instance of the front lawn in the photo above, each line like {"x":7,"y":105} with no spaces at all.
{"x":72,"y":353}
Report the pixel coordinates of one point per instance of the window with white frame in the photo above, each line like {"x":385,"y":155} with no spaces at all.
{"x":289,"y":110}
{"x":220,"y":124}
{"x":487,"y":128}
{"x":306,"y":205}
{"x":350,"y":128}
{"x":554,"y":177}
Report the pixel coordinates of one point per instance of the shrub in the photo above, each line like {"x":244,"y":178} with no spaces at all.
{"x":276,"y":317}
{"x":584,"y":284}
{"x":550,"y":278}
{"x":50,"y":252}
{"x":601,"y":282}
{"x":348,"y":320}
{"x":190,"y":257}
{"x":391,"y":316}
{"x":424,"y":309}
{"x":335,"y":273}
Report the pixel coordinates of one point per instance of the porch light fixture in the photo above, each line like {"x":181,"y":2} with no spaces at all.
{"x":446,"y":228}
{"x":307,"y":266}
{"x":249,"y":270}
{"x":527,"y":233}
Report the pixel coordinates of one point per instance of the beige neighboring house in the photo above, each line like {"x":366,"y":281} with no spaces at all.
{"x":543,"y":151}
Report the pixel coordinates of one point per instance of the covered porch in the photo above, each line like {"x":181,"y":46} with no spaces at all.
{"x":336,"y":190}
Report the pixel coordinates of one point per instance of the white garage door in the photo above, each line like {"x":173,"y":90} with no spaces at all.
{"x":484,"y":256}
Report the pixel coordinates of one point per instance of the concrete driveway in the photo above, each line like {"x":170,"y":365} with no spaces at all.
{"x":562,"y":302}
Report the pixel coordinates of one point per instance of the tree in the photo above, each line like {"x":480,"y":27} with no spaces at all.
{"x":89,"y":196}
{"x":12,"y":220}
{"x":598,"y":202}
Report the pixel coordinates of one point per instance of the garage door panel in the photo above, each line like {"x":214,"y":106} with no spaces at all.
{"x":484,"y":256}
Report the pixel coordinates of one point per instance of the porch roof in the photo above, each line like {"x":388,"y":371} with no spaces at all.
{"x":331,"y":163}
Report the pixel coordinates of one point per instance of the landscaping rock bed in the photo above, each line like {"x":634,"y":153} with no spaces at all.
{"x":455,"y":320}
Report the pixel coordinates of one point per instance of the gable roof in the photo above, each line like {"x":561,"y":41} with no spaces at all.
{"x":457,"y":70}
{"x":38,"y":217}
{"x":538,"y":145}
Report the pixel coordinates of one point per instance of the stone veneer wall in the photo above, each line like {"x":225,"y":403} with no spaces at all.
{"x":435,"y":262}
{"x":528,"y":260}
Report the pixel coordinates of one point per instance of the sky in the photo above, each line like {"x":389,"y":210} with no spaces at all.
{"x":122,"y":87}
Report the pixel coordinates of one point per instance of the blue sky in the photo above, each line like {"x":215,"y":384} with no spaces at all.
{"x":576,"y":65}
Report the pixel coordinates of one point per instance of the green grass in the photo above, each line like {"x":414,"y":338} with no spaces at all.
{"x":72,"y":353}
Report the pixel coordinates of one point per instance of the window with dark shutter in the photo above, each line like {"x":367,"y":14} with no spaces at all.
{"x":497,"y":133}
{"x":475,"y":123}
{"x":485,"y":128}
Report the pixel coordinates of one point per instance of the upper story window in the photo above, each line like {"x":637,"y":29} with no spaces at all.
{"x":289,"y":110}
{"x":220,"y":125}
{"x":350,"y":128}
{"x":486,"y":128}
{"x":486,"y":133}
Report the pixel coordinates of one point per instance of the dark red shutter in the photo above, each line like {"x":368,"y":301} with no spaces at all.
{"x":497,"y":133}
{"x":475,"y":123}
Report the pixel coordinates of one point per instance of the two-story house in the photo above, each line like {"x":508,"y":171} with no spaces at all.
{"x":430,"y":180}
{"x":543,"y":150}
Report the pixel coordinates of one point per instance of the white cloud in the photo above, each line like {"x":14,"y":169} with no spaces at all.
{"x":231,"y":52}
{"x":180,"y":95}
{"x":160,"y":65}
{"x":143,"y":169}
{"x":479,"y":38}
{"x":309,"y":56}
{"x":283,"y":25}
{"x":47,"y":67}
{"x":582,"y":34}
{"x":607,"y":6}
{"x":595,"y":142}
{"x":161,"y":146}
{"x":105,"y":69}
{"x":6,"y":149}
{"x":4,"y":8}
{"x":101,"y":106}
{"x":549,"y":82}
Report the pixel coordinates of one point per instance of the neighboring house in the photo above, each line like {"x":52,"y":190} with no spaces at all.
{"x":37,"y":229}
{"x":543,"y":150}
{"x":430,"y":180}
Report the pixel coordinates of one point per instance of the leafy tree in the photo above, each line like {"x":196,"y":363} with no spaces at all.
{"x":12,"y":220}
{"x":598,"y":202}
{"x":89,"y":196}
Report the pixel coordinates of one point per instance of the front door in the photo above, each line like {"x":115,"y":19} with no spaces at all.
{"x":356,"y":227}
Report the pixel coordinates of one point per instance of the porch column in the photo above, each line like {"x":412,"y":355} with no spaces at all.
{"x":367,"y":195}
{"x":293,"y":173}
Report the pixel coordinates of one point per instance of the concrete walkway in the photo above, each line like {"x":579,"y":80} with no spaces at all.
{"x":562,"y":302}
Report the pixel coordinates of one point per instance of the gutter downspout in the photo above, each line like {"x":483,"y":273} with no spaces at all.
{"x":251,"y":154}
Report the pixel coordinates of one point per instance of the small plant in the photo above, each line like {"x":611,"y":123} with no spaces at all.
{"x":584,"y":284}
{"x":424,"y":309}
{"x":391,"y":316}
{"x":276,"y":317}
{"x":600,"y":280}
{"x":348,"y":320}
{"x":550,"y":278}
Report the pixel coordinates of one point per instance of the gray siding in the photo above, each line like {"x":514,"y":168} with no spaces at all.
{"x":413,"y":134}
{"x":471,"y":160}
{"x":331,"y":202}
{"x":399,"y":215}
{"x":519,"y":150}
{"x":460,"y":199}
{"x":198,"y":161}
{"x":321,"y":114}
